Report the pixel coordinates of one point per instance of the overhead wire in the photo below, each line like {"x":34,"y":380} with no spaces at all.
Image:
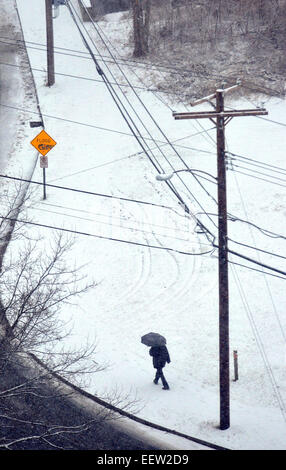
{"x":80,"y":77}
{"x":113,"y":76}
{"x":213,"y":244}
{"x":247,"y":258}
{"x":127,"y":157}
{"x":170,"y":68}
{"x":251,"y":318}
{"x":257,"y":249}
{"x":266,"y":232}
{"x":72,"y":10}
{"x":92,"y":193}
{"x":259,"y":163}
{"x":101,"y":34}
{"x":154,"y":92}
{"x":114,"y":225}
{"x":233,"y":158}
{"x":260,"y":344}
{"x":263,"y":266}
{"x":71,"y":121}
{"x":258,"y":178}
{"x":255,"y":269}
{"x":125,"y":61}
{"x":150,"y":116}
{"x":259,"y":173}
{"x":119,"y":103}
{"x":76,"y":232}
{"x":107,"y":216}
{"x":128,"y":242}
{"x":100,"y":73}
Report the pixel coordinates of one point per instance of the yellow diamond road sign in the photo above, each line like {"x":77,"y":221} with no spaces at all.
{"x":43,"y":142}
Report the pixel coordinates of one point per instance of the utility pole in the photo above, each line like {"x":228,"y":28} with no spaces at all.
{"x":223,"y":266}
{"x":221,"y":117}
{"x":50,"y":43}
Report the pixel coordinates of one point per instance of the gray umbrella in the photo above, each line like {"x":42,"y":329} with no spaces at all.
{"x":153,"y":339}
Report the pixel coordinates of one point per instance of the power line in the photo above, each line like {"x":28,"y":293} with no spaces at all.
{"x":108,"y":196}
{"x":129,"y":242}
{"x":247,"y":258}
{"x":260,"y":173}
{"x":257,"y":249}
{"x":119,"y":104}
{"x":122,"y":109}
{"x":149,"y":114}
{"x":123,"y":218}
{"x":135,"y":201}
{"x":258,"y":163}
{"x":49,"y":116}
{"x":130,"y":200}
{"x":170,"y":68}
{"x":265,"y":231}
{"x":84,"y":55}
{"x":259,"y":343}
{"x":130,"y":156}
{"x":79,"y":77}
{"x":256,"y":270}
{"x":258,"y":178}
{"x":108,"y":83}
{"x":97,"y":27}
{"x":88,"y":192}
{"x":122,"y":227}
{"x":265,"y":278}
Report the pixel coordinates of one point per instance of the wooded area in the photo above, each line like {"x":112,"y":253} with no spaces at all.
{"x":235,"y":38}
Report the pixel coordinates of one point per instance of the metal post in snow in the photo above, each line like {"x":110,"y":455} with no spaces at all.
{"x":44,"y":183}
{"x":235,"y":362}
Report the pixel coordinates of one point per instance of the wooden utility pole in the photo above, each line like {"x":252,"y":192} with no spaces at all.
{"x":223,"y":266}
{"x":221,"y":117}
{"x":50,"y":43}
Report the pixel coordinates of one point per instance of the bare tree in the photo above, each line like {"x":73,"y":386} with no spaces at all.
{"x":37,"y":278}
{"x":141,"y":23}
{"x":36,"y":282}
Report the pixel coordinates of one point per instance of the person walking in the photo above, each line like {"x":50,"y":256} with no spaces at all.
{"x":160,"y":356}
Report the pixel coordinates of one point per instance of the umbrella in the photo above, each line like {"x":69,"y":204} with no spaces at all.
{"x":153,"y":339}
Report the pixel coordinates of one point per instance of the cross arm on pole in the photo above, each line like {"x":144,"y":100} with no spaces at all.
{"x":213,"y":95}
{"x":223,"y":114}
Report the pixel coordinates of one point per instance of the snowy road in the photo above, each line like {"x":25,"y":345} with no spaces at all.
{"x":10,"y":87}
{"x":17,"y":93}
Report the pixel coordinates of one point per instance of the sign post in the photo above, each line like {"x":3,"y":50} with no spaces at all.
{"x":43,"y":143}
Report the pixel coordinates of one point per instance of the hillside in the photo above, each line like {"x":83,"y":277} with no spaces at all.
{"x":206,"y":42}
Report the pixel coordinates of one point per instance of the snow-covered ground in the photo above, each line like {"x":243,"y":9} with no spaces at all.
{"x":142,"y":288}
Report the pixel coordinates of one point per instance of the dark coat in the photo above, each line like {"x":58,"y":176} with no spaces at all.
{"x":160,"y":356}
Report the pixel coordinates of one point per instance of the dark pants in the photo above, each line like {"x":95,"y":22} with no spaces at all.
{"x":160,"y":375}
